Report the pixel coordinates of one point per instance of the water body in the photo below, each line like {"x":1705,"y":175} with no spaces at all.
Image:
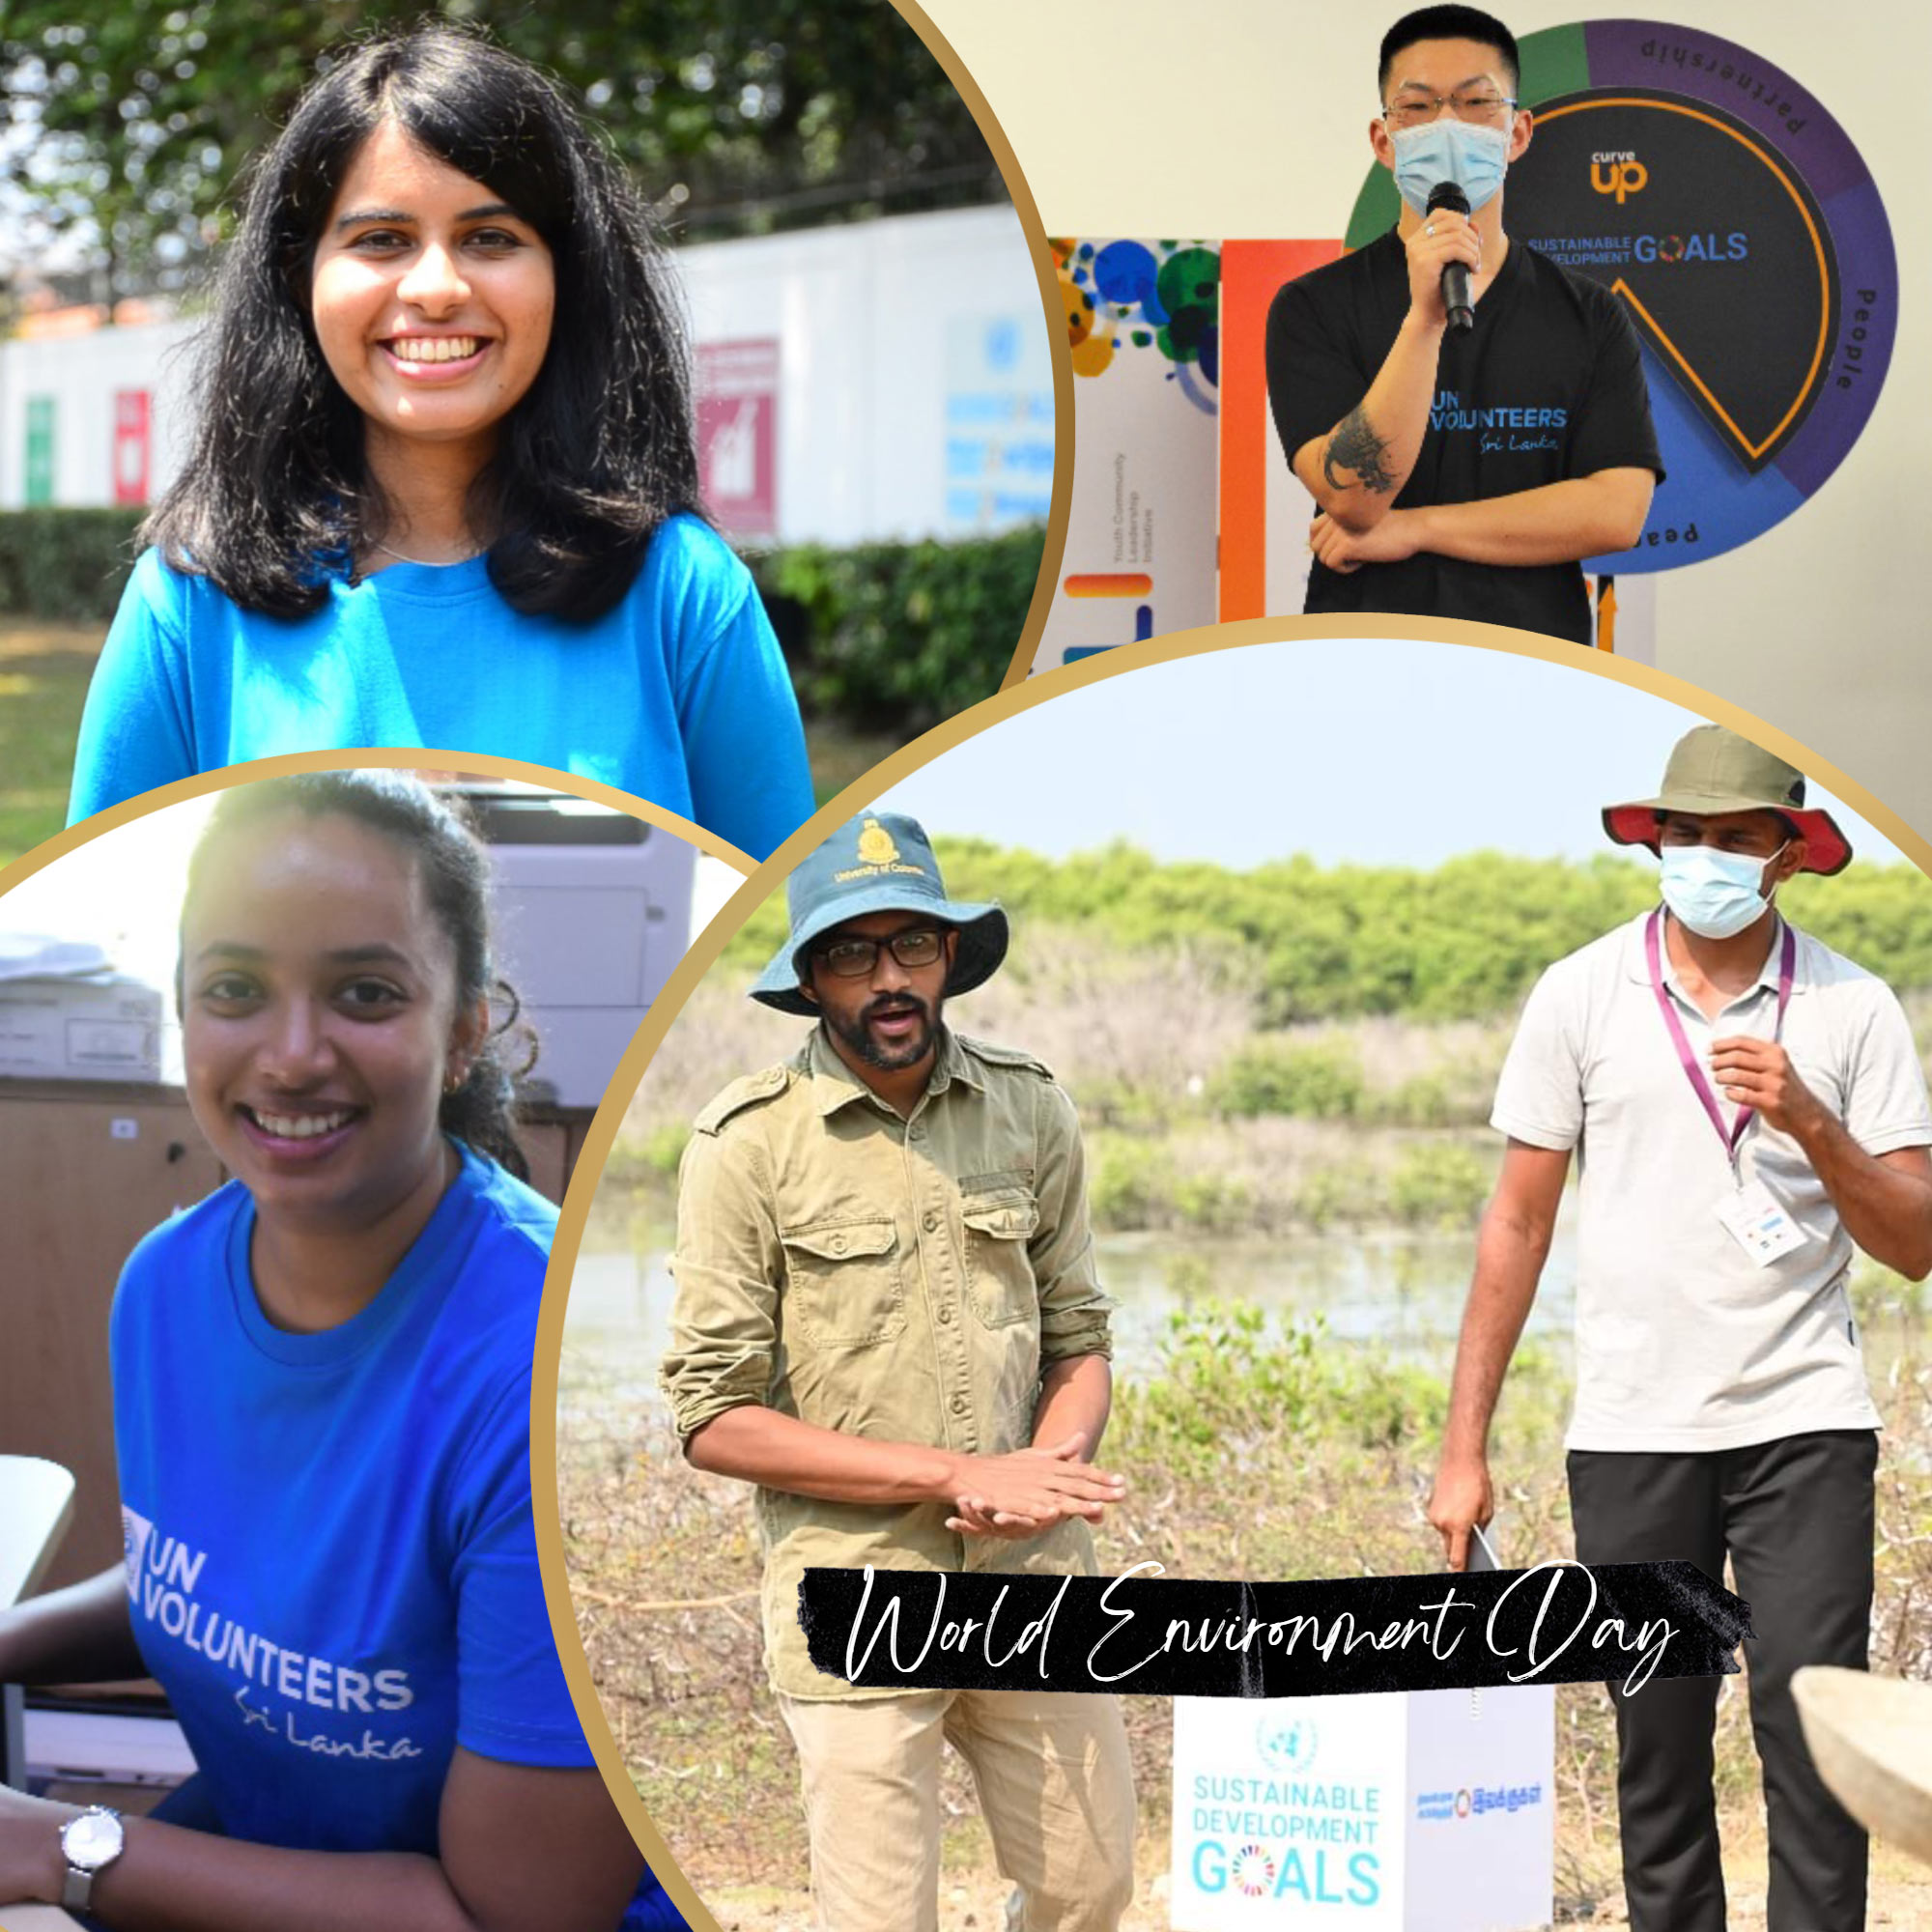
{"x":1399,"y":1292}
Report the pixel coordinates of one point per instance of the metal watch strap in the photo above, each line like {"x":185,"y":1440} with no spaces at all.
{"x":78,"y":1888}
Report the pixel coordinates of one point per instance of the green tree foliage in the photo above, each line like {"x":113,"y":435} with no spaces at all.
{"x":1463,"y":941}
{"x":136,"y":116}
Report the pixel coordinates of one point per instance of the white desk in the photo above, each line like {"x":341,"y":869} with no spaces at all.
{"x":35,"y":1507}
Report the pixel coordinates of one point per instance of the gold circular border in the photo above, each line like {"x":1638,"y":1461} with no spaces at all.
{"x":1007,"y":702}
{"x":1060,"y":512}
{"x":386,"y":758}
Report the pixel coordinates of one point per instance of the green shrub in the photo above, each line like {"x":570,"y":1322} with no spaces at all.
{"x":1328,"y":1195}
{"x":1213,"y":1204}
{"x":1315,"y":1080}
{"x":1129,"y":1183}
{"x":662,"y":1148}
{"x":1113,"y":1100}
{"x":649,"y":1157}
{"x":1879,"y":1295}
{"x":1438,"y":1183}
{"x":1229,"y":1378}
{"x":65,"y":566}
{"x":900,"y":636}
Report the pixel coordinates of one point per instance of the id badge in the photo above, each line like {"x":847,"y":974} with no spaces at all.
{"x":1759,"y":1225}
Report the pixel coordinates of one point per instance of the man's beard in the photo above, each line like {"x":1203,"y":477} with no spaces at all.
{"x":856,"y":1033}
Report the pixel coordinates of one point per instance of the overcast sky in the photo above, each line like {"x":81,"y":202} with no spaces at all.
{"x":1383,"y":753}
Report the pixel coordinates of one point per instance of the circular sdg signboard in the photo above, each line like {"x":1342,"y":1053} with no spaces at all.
{"x":1734,"y":220}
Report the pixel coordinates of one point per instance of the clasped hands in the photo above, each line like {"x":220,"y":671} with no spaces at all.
{"x":1020,"y":1494}
{"x":1395,"y":539}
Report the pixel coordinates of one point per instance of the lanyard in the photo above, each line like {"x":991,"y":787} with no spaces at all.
{"x":1693,"y":1071}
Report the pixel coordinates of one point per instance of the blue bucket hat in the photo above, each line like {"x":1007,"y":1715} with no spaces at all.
{"x":881,"y":862}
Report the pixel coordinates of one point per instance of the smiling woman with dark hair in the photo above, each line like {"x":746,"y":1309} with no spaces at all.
{"x":322,"y":1398}
{"x":444,"y":484}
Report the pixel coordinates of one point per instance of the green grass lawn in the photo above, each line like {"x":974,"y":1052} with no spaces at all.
{"x":838,"y":756}
{"x":43,"y":673}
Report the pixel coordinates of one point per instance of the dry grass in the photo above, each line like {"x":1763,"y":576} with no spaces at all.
{"x":1314,"y":1471}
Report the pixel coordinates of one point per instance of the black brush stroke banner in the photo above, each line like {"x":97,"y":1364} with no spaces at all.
{"x":1558,"y":1622}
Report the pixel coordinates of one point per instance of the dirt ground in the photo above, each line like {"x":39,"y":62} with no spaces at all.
{"x":1901,"y":1901}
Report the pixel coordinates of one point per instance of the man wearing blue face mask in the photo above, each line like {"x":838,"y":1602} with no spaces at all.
{"x":1459,"y":472}
{"x":1747,"y":1110}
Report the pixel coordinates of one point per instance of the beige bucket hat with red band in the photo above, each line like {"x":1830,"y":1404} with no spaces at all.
{"x":1713,"y":770}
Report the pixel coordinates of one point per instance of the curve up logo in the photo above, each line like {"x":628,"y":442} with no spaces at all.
{"x":1620,"y":175}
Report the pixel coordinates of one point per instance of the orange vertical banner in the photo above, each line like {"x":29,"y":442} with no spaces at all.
{"x":1251,"y":271}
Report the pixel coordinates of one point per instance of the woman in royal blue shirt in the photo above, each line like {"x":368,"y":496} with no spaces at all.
{"x":322,"y":1378}
{"x":443,"y":485}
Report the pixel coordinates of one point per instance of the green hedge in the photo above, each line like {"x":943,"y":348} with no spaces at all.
{"x":65,"y":566}
{"x":885,"y":637}
{"x":899,"y":635}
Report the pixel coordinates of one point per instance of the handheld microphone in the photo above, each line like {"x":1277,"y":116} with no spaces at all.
{"x":1456,"y":276}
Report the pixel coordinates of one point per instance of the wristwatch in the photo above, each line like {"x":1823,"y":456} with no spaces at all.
{"x":92,"y":1842}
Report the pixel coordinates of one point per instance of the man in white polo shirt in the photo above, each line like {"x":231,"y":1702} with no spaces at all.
{"x":1747,"y":1109}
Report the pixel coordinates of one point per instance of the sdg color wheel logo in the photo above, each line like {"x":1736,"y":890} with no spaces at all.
{"x":1253,"y":1871}
{"x":1731,"y":215}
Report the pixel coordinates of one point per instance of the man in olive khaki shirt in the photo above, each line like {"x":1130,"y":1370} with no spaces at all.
{"x":886,"y":1317}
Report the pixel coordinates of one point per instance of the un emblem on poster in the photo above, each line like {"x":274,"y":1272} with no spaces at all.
{"x":1285,"y":1743}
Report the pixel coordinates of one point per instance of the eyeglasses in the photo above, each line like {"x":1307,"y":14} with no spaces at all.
{"x":1480,"y":104}
{"x":849,"y":958}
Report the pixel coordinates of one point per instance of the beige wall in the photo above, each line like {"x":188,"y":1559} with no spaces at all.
{"x":1247,"y":118}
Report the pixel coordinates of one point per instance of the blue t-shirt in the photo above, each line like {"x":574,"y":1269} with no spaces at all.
{"x":331,"y":1563}
{"x":679,"y":695}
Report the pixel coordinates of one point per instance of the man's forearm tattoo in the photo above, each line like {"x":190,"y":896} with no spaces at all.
{"x":1355,"y":447}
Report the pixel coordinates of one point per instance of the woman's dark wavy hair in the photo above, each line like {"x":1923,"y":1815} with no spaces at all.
{"x":590,"y":462}
{"x":456,"y":874}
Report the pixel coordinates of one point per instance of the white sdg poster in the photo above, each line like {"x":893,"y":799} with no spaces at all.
{"x":1288,"y":1803}
{"x":1428,"y":1811}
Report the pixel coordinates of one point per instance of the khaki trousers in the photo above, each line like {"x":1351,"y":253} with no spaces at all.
{"x":1055,"y":1784}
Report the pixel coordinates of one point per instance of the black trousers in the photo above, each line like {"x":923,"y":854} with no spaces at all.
{"x":1794,"y":1517}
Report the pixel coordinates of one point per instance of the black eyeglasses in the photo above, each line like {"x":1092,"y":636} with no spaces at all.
{"x":1478,"y":105}
{"x":849,"y":958}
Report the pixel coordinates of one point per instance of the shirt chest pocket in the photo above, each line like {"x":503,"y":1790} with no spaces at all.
{"x":843,"y":1285}
{"x":1000,"y":1222}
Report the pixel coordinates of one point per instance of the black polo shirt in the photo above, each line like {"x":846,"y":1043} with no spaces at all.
{"x":1547,"y":385}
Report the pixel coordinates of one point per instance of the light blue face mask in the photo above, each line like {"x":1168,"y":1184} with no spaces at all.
{"x":1447,"y":150}
{"x":1715,"y":893}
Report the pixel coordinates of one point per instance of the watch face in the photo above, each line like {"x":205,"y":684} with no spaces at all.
{"x":92,"y":1839}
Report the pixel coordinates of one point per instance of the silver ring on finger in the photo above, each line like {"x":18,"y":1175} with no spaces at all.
{"x":1429,"y":228}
